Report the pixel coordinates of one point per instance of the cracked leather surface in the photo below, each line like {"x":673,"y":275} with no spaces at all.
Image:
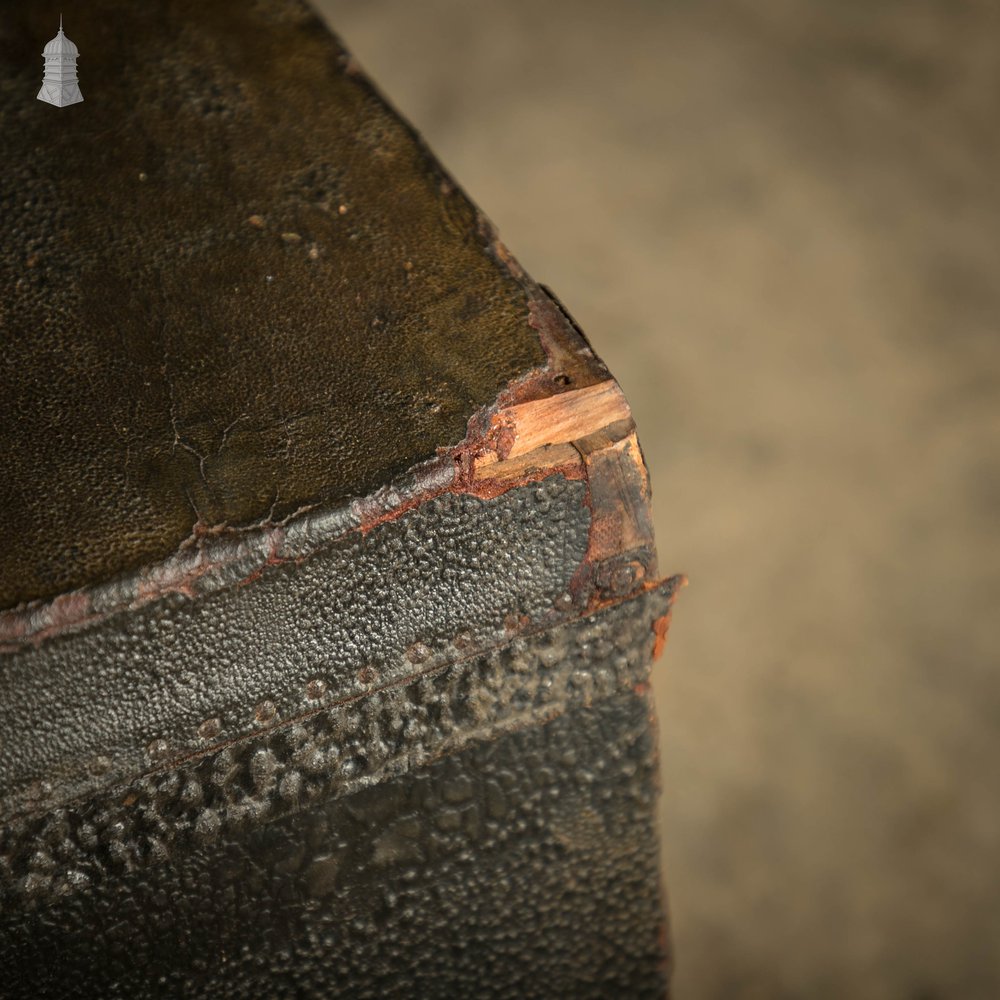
{"x":349,"y":318}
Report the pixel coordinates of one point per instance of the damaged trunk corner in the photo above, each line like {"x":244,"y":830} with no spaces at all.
{"x":331,"y":594}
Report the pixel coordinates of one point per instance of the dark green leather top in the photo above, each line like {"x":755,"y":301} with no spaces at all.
{"x":233,"y":284}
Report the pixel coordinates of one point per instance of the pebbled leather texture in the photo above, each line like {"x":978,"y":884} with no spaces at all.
{"x":349,"y":744}
{"x":142,"y":687}
{"x":523,"y":868}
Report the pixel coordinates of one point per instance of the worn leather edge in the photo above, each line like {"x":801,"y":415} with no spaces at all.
{"x":619,"y":562}
{"x":219,"y":556}
{"x":588,"y":436}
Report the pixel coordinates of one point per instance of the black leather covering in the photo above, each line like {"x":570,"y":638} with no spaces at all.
{"x":328,"y":593}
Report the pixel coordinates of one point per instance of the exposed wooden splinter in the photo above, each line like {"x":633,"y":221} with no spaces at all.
{"x":559,"y":419}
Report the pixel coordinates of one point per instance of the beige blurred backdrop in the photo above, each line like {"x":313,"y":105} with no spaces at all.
{"x":779,"y":223}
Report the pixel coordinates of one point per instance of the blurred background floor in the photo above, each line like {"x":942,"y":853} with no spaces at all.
{"x":779,"y":223}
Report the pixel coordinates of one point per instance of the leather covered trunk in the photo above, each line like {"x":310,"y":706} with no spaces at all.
{"x":328,"y":591}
